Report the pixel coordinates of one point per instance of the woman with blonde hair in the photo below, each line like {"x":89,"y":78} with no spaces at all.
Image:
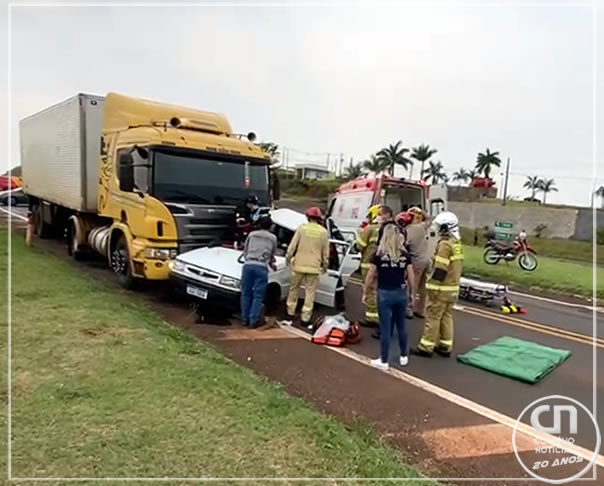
{"x":392,"y":269}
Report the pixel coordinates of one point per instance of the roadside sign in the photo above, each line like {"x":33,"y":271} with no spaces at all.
{"x":503,"y":230}
{"x":504,"y":225}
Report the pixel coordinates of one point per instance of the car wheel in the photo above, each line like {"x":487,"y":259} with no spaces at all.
{"x":272,"y":297}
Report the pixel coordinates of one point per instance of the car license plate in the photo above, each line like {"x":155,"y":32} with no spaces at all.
{"x":201,"y":293}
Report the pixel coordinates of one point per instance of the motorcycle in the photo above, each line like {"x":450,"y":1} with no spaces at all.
{"x":495,"y":251}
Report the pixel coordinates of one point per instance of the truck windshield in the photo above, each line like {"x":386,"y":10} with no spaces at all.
{"x":179,"y":177}
{"x":401,"y":198}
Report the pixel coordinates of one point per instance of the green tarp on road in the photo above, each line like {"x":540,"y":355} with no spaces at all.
{"x":515,"y":358}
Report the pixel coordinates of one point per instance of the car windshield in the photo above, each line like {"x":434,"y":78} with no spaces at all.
{"x":401,"y":198}
{"x":202,"y":179}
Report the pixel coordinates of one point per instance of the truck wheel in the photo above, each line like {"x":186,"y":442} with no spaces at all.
{"x":73,"y":249}
{"x":42,"y":228}
{"x":120,"y":264}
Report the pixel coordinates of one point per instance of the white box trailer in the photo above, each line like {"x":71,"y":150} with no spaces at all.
{"x":60,"y":153}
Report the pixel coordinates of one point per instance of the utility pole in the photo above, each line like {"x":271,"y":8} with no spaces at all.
{"x":505,"y":181}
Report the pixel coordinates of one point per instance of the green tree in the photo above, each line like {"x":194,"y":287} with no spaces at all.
{"x":393,"y":155}
{"x":532,"y":183}
{"x":485,"y":162}
{"x":435,"y":173}
{"x":421,"y":154}
{"x":375,"y":165}
{"x":546,"y":186}
{"x":353,"y":171}
{"x":270,"y":148}
{"x":461,"y":176}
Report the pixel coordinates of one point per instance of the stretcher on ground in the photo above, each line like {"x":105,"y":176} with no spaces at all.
{"x":486,"y":293}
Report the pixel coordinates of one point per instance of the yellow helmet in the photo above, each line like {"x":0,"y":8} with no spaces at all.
{"x":418,"y":214}
{"x":372,"y":213}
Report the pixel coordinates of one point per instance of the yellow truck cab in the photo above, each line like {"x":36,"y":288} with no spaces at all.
{"x":138,"y":181}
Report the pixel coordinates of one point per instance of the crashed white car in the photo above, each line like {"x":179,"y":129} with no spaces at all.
{"x":212,"y":275}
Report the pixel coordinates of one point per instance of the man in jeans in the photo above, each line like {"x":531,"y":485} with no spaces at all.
{"x":259,"y":255}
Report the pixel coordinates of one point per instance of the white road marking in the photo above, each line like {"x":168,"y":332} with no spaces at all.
{"x":559,"y":302}
{"x":477,"y":408}
{"x":13,"y":214}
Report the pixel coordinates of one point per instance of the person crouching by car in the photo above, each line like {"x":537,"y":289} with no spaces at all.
{"x":259,"y":256}
{"x":392,"y":269}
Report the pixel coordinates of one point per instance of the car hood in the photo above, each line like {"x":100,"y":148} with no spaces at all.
{"x":224,"y":261}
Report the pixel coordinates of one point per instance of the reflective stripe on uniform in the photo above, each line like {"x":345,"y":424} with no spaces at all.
{"x":439,"y":259}
{"x":446,"y":342}
{"x":372,"y":315}
{"x":427,"y":343}
{"x":365,"y":265}
{"x":456,"y":257}
{"x":373,"y":239}
{"x":361,"y":242}
{"x":446,"y":288}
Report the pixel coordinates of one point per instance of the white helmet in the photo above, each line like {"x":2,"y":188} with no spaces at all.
{"x":447,"y":222}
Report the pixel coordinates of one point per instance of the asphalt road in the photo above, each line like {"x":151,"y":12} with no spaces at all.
{"x":549,"y":323}
{"x":476,"y":325}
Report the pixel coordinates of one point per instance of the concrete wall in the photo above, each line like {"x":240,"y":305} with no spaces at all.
{"x":584,"y":224}
{"x":560,"y":223}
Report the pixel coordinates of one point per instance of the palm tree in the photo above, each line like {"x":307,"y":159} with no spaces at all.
{"x":374,"y":164}
{"x":353,"y":171}
{"x":472,"y":174}
{"x":421,"y":154}
{"x":486,"y":161}
{"x":436,"y":172}
{"x":462,"y":175}
{"x":532,"y":183}
{"x":547,"y":185}
{"x":394,"y":155}
{"x":600,"y":193}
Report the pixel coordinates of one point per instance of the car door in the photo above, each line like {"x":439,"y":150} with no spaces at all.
{"x":334,"y":279}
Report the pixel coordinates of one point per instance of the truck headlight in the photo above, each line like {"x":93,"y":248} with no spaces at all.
{"x":160,"y":253}
{"x":230,"y":282}
{"x":177,"y":266}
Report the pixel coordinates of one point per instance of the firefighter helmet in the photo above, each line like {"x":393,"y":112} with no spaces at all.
{"x":314,"y":213}
{"x":417,"y":213}
{"x":372,"y":213}
{"x":447,"y":222}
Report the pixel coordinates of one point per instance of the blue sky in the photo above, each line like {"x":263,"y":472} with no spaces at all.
{"x":347,"y":78}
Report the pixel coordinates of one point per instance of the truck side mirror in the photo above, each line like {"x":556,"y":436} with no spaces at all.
{"x":126,"y":173}
{"x":276,"y":186}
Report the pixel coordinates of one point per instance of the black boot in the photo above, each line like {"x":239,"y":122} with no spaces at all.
{"x":421,"y":352}
{"x":442,"y":352}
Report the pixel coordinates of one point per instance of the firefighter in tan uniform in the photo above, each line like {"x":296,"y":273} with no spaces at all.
{"x":308,"y":255}
{"x":442,"y":288}
{"x":367,"y":243}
